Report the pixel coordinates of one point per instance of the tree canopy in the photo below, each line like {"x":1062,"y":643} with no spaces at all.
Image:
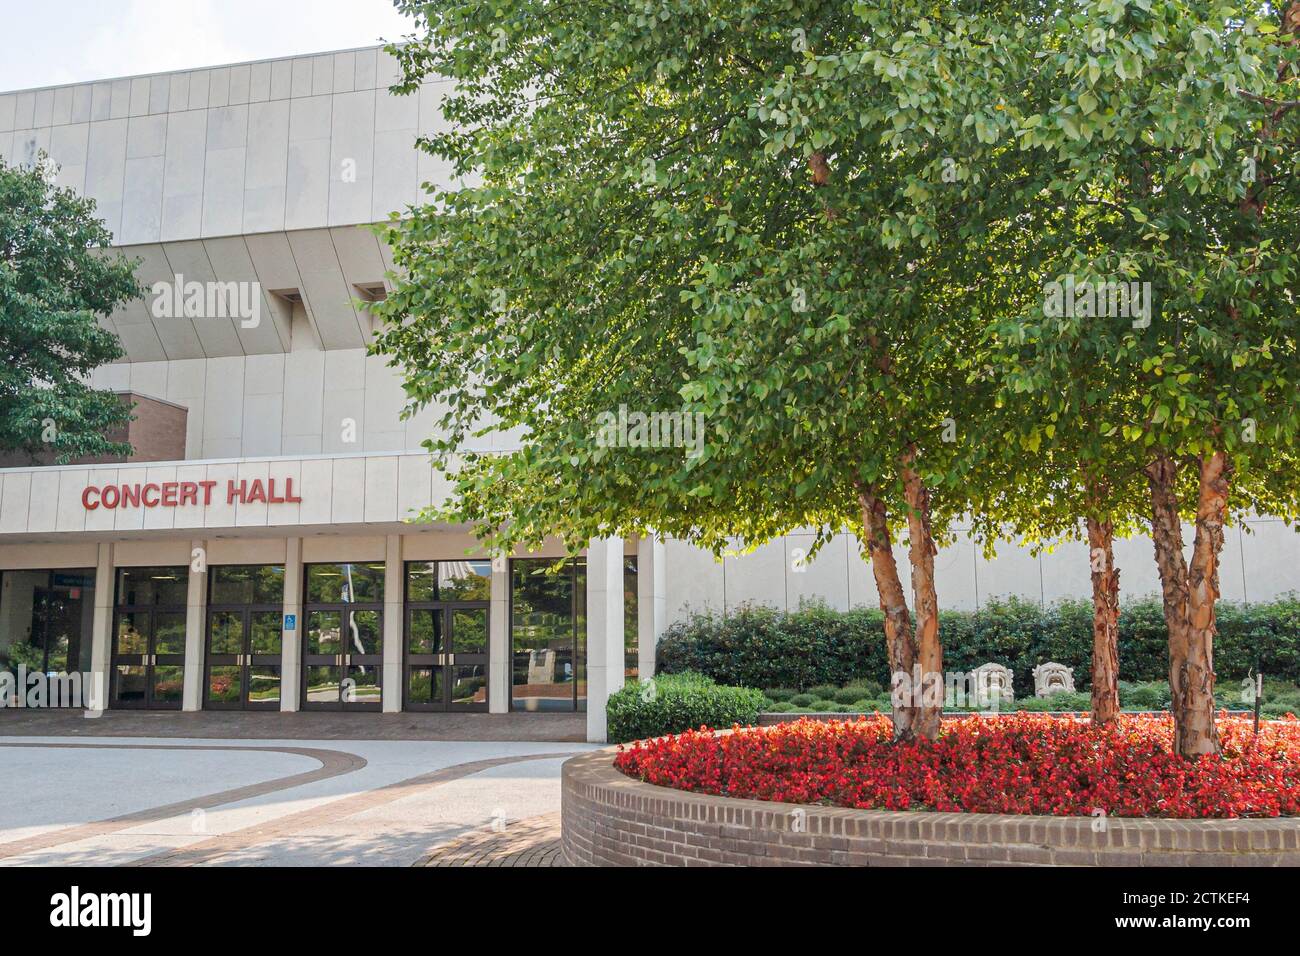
{"x":55,"y":284}
{"x":1023,"y":262}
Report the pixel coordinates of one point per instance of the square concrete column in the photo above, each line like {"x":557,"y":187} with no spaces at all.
{"x":292,"y":626}
{"x":605,"y":654}
{"x":394,"y":606}
{"x":651,"y":602}
{"x":196,"y":605}
{"x":101,"y":633}
{"x":499,"y":650}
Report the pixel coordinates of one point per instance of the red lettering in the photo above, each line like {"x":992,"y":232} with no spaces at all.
{"x":169,"y":494}
{"x":256,"y":492}
{"x":85,"y":498}
{"x":288,"y":492}
{"x":105,"y":494}
{"x":233,"y":493}
{"x":189,"y":493}
{"x":145,"y":495}
{"x":271,"y":496}
{"x":207,"y":491}
{"x":130,"y":496}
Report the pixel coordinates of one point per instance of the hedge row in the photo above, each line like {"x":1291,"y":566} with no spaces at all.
{"x":757,"y":646}
{"x":672,"y":703}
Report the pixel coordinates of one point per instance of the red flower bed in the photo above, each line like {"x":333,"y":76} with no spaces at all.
{"x":1020,"y":763}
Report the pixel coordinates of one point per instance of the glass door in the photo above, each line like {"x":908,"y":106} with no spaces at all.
{"x":148,"y":652}
{"x":447,"y":657}
{"x":148,"y":659}
{"x":343,"y":637}
{"x":244,"y":637}
{"x":244,"y":660}
{"x":446,"y":639}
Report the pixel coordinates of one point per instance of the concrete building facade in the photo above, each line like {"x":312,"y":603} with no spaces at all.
{"x":272,"y":565}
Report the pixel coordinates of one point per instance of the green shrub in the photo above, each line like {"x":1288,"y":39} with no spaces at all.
{"x":780,"y":707}
{"x":1152,"y":695}
{"x":802,"y":700}
{"x":824,"y":691}
{"x":678,"y":702}
{"x":817,"y":647}
{"x":864,"y":706}
{"x":847,"y":695}
{"x":780,"y":694}
{"x":823,"y":706}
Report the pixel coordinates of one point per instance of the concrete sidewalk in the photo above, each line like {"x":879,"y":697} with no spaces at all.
{"x":115,"y":801}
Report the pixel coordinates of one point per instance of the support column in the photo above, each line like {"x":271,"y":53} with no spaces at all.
{"x":651,"y":602}
{"x":499,"y":651}
{"x":196,"y":605}
{"x":394,"y":607}
{"x":605,"y":660}
{"x":101,"y":631}
{"x":291,"y":625}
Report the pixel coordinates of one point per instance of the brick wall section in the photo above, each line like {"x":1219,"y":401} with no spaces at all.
{"x":609,"y":819}
{"x":157,"y":433}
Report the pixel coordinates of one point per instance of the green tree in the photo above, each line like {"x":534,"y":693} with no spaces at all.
{"x":54,"y":286}
{"x":673,"y":209}
{"x":1163,"y":137}
{"x":825,"y":228}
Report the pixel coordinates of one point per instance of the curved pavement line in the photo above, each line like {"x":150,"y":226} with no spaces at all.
{"x":207,"y":850}
{"x":333,"y":763}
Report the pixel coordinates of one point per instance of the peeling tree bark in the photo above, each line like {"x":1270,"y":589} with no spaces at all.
{"x":929,"y":651}
{"x":1190,"y":620}
{"x":1198,"y":734}
{"x":899,"y":640}
{"x":1105,"y":622}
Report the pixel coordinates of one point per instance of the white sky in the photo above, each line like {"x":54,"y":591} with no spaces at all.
{"x":50,"y":42}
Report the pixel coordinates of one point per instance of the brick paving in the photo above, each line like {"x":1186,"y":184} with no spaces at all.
{"x":301,"y":725}
{"x":534,"y":841}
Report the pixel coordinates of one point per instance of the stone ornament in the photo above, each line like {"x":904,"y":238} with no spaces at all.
{"x":1052,"y":678}
{"x":993,"y":680}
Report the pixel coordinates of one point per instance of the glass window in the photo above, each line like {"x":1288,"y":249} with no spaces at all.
{"x":449,"y":580}
{"x":152,"y":587}
{"x":547,"y":618}
{"x":631,"y":649}
{"x":246,"y":584}
{"x":324,"y":633}
{"x":425,"y":635}
{"x":469,"y":630}
{"x":46,"y":619}
{"x":345,"y":583}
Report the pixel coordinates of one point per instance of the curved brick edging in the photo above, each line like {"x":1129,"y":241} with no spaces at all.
{"x":609,"y":819}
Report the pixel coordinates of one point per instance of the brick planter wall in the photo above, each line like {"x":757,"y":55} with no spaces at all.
{"x":612,"y":820}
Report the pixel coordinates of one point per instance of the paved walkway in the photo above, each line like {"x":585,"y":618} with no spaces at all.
{"x":302,"y":725}
{"x":184,"y":802}
{"x":531,"y":842}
